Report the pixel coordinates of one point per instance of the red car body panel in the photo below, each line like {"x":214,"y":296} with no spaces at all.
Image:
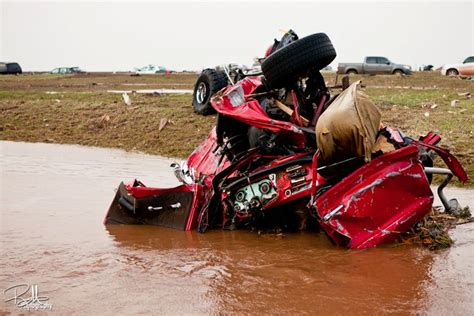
{"x":376,"y":202}
{"x":236,"y":102}
{"x":453,"y":164}
{"x":205,"y":161}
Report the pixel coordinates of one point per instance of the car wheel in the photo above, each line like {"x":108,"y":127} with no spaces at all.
{"x":209,"y":82}
{"x":297,"y":60}
{"x":398,"y":72}
{"x":452,"y":72}
{"x":351,"y":72}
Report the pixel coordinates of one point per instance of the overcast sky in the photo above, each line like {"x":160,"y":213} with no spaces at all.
{"x":112,"y":35}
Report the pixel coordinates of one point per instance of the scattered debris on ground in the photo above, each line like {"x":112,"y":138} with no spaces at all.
{"x":466,"y":95}
{"x":126,"y":99}
{"x":163,"y":123}
{"x":105,"y":118}
{"x":156,"y":92}
{"x":430,"y":105}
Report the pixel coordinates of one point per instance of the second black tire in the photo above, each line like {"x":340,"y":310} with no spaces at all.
{"x":209,"y":82}
{"x":298,"y":59}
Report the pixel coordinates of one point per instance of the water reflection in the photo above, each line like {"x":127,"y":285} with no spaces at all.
{"x":248,"y":273}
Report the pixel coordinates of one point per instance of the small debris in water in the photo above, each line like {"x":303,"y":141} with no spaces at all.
{"x":275,"y":233}
{"x":433,"y":231}
{"x":461,"y":212}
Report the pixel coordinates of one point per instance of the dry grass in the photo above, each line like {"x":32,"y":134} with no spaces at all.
{"x":96,"y":82}
{"x":102,"y":119}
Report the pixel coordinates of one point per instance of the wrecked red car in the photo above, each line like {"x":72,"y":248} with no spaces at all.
{"x":286,"y":153}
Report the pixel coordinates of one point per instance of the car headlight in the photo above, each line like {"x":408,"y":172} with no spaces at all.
{"x":407,"y":67}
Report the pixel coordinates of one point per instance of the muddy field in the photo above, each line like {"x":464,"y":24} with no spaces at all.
{"x":78,"y":109}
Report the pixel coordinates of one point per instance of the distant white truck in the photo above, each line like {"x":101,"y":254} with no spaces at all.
{"x":374,"y":65}
{"x":152,"y":69}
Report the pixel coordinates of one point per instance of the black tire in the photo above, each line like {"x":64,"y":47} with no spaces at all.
{"x":398,"y":72}
{"x":209,"y":82}
{"x":297,"y":60}
{"x":452,"y":72}
{"x":352,"y":72}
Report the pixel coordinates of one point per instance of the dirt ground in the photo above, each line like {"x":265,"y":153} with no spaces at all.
{"x":77,"y":109}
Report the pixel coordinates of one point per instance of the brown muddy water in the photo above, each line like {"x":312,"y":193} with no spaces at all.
{"x":53,"y":200}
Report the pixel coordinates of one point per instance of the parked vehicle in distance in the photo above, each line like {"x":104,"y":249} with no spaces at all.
{"x":152,"y":69}
{"x":464,"y":69}
{"x":374,"y":65}
{"x":10,"y":68}
{"x":67,"y":70}
{"x":426,"y":68}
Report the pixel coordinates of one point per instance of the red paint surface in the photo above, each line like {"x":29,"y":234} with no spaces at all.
{"x":376,"y":202}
